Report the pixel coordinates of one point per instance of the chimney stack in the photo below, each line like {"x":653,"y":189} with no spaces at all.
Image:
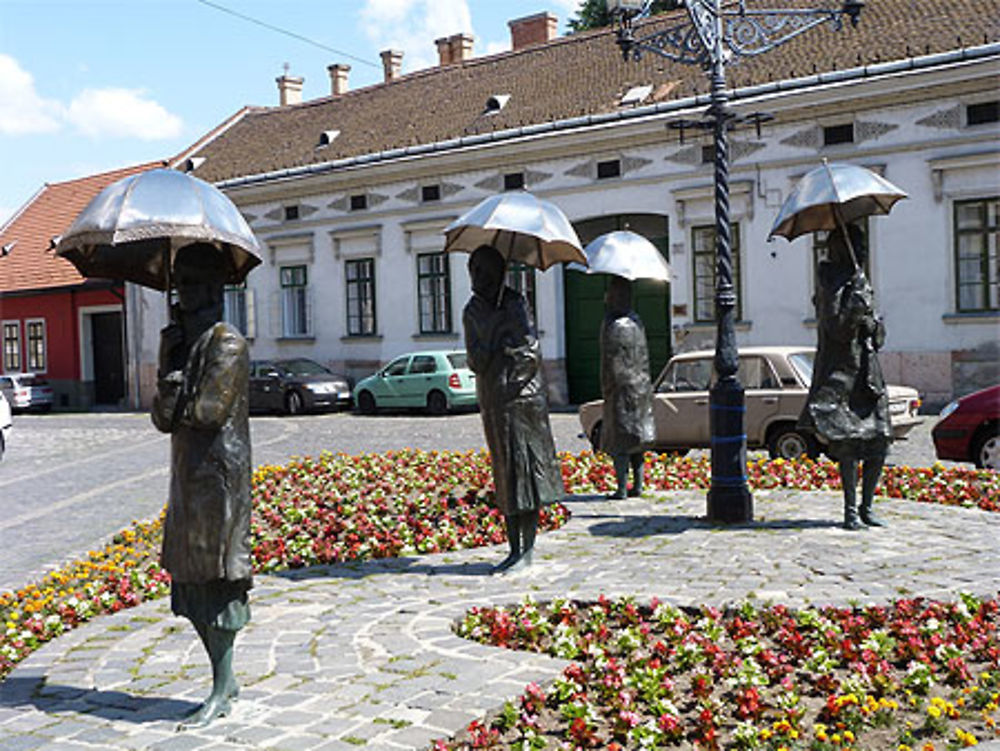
{"x":454,"y":49}
{"x":289,"y":88}
{"x":338,"y":78}
{"x":444,"y":51}
{"x":392,"y":63}
{"x":537,"y":29}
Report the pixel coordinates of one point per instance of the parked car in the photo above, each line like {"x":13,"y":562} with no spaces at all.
{"x":435,"y":381}
{"x":968,"y":429}
{"x":776,"y":382}
{"x":27,"y":391}
{"x":5,"y":423}
{"x":295,"y":386}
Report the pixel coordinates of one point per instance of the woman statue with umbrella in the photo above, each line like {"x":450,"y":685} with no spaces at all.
{"x":505,"y":355}
{"x":163,"y":229}
{"x":848,"y":405}
{"x":627,"y":427}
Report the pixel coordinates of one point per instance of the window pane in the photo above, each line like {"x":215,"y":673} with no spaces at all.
{"x":976,"y":242}
{"x":433,"y":293}
{"x":360,"y":275}
{"x":234,"y":307}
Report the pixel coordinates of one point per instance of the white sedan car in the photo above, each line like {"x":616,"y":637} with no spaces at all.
{"x":776,"y":382}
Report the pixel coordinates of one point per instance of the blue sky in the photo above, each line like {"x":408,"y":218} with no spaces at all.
{"x":93,"y":85}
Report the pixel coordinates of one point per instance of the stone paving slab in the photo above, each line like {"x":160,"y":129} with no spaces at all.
{"x":363,"y":656}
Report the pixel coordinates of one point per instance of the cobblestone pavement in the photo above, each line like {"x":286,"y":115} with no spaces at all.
{"x":363,"y":655}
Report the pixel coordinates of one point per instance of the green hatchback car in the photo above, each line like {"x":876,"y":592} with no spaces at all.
{"x":435,"y":381}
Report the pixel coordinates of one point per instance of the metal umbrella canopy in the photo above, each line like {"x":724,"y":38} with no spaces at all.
{"x":625,"y":254}
{"x":521,"y":227}
{"x":830,"y":196}
{"x":133,"y":229}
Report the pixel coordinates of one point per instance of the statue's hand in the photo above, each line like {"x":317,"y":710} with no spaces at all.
{"x":171,"y":349}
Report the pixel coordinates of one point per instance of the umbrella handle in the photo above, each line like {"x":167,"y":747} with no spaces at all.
{"x":503,"y":282}
{"x":847,"y":236}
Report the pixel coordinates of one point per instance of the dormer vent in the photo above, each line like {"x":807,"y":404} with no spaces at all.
{"x":496,"y":103}
{"x":6,"y":249}
{"x":636,"y":95}
{"x":193,"y":163}
{"x":327,"y":137}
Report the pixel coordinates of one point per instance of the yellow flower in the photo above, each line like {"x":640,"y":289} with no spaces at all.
{"x":848,"y":736}
{"x":934,"y":710}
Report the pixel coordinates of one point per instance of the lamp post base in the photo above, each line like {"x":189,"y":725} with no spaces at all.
{"x":729,"y":499}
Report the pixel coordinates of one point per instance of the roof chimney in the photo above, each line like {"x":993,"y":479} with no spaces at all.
{"x":444,"y":51}
{"x":338,"y":78}
{"x":461,"y":47}
{"x":537,"y":29}
{"x":289,"y":88}
{"x":392,"y":62}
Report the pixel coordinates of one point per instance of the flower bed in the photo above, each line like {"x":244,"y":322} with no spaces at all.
{"x":339,"y":508}
{"x":913,"y":675}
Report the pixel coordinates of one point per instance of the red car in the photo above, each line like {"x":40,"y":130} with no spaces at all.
{"x":968,"y":429}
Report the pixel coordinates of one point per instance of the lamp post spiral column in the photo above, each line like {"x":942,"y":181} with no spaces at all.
{"x":712,"y":34}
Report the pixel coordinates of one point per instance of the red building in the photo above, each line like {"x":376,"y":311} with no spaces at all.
{"x":53,"y":321}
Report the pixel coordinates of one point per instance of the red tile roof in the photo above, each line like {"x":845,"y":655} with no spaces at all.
{"x":578,"y":75}
{"x":30,"y":263}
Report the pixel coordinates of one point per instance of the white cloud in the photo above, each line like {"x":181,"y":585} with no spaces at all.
{"x":22,"y":110}
{"x":114,"y":112}
{"x":122,"y":113}
{"x":413,"y":25}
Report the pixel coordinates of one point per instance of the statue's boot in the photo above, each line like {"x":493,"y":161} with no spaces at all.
{"x":638,"y":465}
{"x":219,"y":645}
{"x":848,"y":478}
{"x":528,"y":524}
{"x":870,"y":474}
{"x":514,"y":541}
{"x":621,"y":476}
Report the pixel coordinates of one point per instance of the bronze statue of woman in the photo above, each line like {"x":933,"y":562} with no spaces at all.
{"x":202,"y":401}
{"x":848,"y":404}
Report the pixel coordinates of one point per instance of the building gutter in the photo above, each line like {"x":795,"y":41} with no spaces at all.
{"x":923,"y":62}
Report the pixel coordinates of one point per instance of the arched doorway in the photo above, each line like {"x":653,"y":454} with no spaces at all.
{"x":584,"y":306}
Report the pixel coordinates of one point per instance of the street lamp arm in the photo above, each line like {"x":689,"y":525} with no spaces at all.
{"x":744,"y":32}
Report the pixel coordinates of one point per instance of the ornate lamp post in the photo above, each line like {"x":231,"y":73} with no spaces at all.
{"x":714,"y":33}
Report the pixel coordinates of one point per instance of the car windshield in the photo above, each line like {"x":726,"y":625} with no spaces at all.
{"x":802,"y":362}
{"x":458,"y":360}
{"x":302,"y":367}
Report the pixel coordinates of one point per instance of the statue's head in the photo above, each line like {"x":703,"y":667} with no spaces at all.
{"x":199,"y":274}
{"x":618,"y":297}
{"x":838,"y":252}
{"x":486,"y":270}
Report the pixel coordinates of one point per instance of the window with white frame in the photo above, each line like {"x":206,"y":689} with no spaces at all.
{"x":360,"y":277}
{"x":238,"y":308}
{"x":34,"y":331}
{"x":977,"y":276}
{"x":295,"y":313}
{"x":521,"y":277}
{"x":434,"y":293}
{"x":11,"y":346}
{"x":703,"y":245}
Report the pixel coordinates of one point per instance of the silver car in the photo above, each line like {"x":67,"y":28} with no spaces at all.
{"x":776,"y":381}
{"x":27,"y":391}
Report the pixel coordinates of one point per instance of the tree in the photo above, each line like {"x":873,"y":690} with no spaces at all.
{"x":593,"y":14}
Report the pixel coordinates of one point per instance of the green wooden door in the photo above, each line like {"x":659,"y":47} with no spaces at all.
{"x":584,"y":307}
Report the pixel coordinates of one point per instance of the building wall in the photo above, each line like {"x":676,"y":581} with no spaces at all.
{"x":64,"y":334}
{"x":908,"y":126}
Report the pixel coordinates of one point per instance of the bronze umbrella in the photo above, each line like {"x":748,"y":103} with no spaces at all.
{"x":132,"y":230}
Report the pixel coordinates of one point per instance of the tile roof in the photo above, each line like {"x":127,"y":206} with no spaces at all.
{"x":30,"y":264}
{"x":581,"y":74}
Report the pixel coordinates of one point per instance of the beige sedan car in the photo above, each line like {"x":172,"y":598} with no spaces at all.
{"x":776,"y":380}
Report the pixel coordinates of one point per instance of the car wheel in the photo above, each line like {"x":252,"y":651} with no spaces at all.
{"x":595,"y":437}
{"x":437,"y":403}
{"x":787,"y":442}
{"x":986,"y":449}
{"x":293,"y":403}
{"x":366,"y":403}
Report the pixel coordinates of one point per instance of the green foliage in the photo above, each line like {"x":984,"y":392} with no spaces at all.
{"x":593,"y":14}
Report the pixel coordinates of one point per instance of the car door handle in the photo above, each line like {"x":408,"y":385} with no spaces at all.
{"x":700,"y":402}
{"x":770,"y":400}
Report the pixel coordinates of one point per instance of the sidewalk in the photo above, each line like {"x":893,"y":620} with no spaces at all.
{"x":362,"y":656}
